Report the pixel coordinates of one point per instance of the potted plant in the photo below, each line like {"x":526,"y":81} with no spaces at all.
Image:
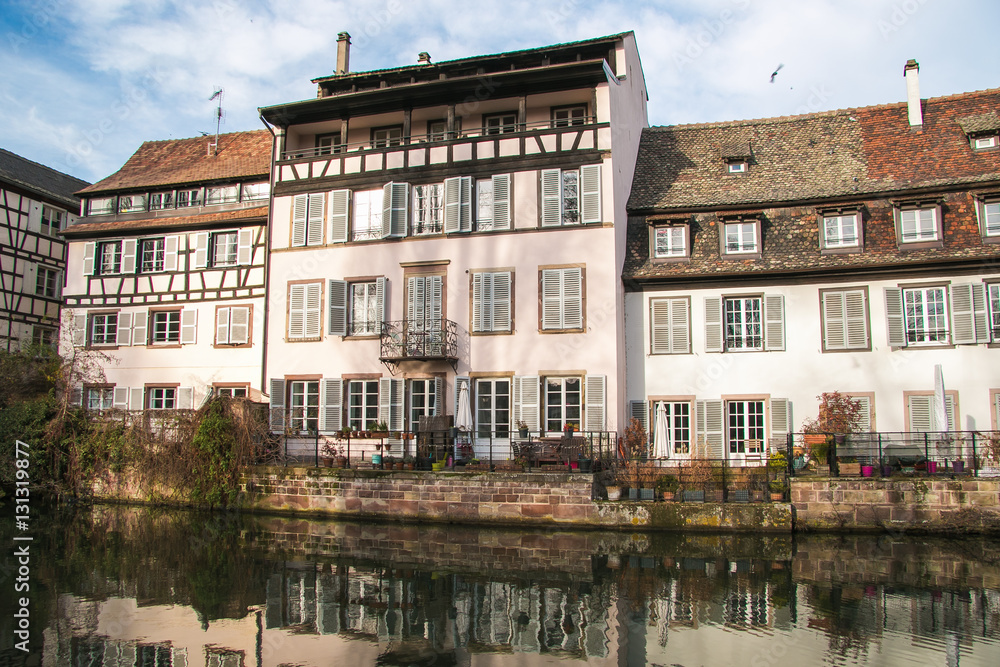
{"x":388,"y":462}
{"x":522,"y":428}
{"x":614,"y":491}
{"x":667,"y":486}
{"x":333,"y":454}
{"x":408,"y":462}
{"x":849,"y":466}
{"x":378,"y":429}
{"x":777,"y":488}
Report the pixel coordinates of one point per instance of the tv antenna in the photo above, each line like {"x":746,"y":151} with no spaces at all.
{"x":218,"y":119}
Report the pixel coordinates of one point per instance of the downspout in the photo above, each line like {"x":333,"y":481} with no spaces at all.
{"x":267,"y":258}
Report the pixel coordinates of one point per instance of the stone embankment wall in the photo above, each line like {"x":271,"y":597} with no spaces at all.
{"x":912,"y":504}
{"x":563,"y":499}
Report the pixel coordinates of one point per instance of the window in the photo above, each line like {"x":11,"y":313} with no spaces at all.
{"x":736,"y":166}
{"x":989,"y":141}
{"x":845,"y":319}
{"x":232,"y":325}
{"x":990,"y":218}
{"x":566,"y":116}
{"x":43,"y":336}
{"x":563,"y":403}
{"x":151,"y":255}
{"x":437,"y":130}
{"x":493,"y":408}
{"x":161,"y":200}
{"x":841,"y":231}
{"x":745,"y":426}
{"x":303,"y":404}
{"x":920,"y":411}
{"x":131,"y":203}
{"x":52,"y":221}
{"x":678,"y":415}
{"x":387,"y":136}
{"x":103,"y":329}
{"x":225,"y":249}
{"x":994,"y":298}
{"x":101,"y":206}
{"x":109,"y":258}
{"x":670,"y":326}
{"x":925,"y":314}
{"x":425,"y":316}
{"x":307,"y":219}
{"x":484,"y":204}
{"x":916,"y":225}
{"x":491,"y":301}
{"x":741,"y":238}
{"x":162,"y":398}
{"x":423,"y":399}
{"x":99,"y":398}
{"x":362,"y":396}
{"x":571,"y":196}
{"x":232,"y":392}
{"x":367,"y":215}
{"x":222,"y":194}
{"x":743,"y":324}
{"x":562,"y":299}
{"x":304,"y":311}
{"x":256,"y":191}
{"x":428,"y":209}
{"x":46,"y":282}
{"x":166,"y":326}
{"x":187,"y":198}
{"x":500,"y":123}
{"x":327,"y":144}
{"x":364,"y":315}
{"x":669,"y":242}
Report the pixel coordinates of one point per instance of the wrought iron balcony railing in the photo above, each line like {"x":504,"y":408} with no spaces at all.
{"x":419,"y":340}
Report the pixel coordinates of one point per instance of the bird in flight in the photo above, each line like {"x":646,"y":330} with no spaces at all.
{"x":776,"y":70}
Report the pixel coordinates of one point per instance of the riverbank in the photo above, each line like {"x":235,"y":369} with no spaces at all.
{"x":566,"y":500}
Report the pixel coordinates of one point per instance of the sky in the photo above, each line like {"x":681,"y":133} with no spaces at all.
{"x":84,"y":82}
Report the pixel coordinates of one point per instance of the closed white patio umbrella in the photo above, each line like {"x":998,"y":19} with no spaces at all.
{"x":661,"y":448}
{"x":463,"y":414}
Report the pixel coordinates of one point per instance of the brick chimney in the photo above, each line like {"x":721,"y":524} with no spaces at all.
{"x":343,"y":53}
{"x":424,"y":58}
{"x":911,"y":72}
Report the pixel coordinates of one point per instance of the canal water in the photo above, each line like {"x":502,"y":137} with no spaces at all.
{"x":117,"y":586}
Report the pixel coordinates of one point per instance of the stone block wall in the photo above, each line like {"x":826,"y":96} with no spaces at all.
{"x":912,"y":504}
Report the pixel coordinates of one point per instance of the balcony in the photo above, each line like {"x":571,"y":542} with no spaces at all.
{"x":531,"y":140}
{"x":424,"y":340}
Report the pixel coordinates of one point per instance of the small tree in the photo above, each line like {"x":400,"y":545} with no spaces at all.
{"x":838,"y":413}
{"x":635,"y":439}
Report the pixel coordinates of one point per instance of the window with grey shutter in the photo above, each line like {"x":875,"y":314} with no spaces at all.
{"x":708,"y":420}
{"x":189,"y":326}
{"x":244,"y":247}
{"x":562,"y":298}
{"x":781,"y":422}
{"x":501,"y":201}
{"x":920,"y":409}
{"x":458,"y":204}
{"x":551,"y":195}
{"x":331,"y":402}
{"x":338,"y":307}
{"x":969,"y":324}
{"x":79,"y":329}
{"x":594,"y":389}
{"x":124,"y":334}
{"x":340,"y":207}
{"x":491,"y":302}
{"x":395,"y":200}
{"x":774,"y":322}
{"x":526,"y":400}
{"x":713,"y":324}
{"x":277,"y":408}
{"x":170,"y":247}
{"x":590,"y":191}
{"x":89,"y":253}
{"x":895,"y":325}
{"x":140,"y":329}
{"x":845,"y":320}
{"x":128,"y":256}
{"x":391,"y":403}
{"x":670,"y":326}
{"x":639,"y":410}
{"x":201,"y":250}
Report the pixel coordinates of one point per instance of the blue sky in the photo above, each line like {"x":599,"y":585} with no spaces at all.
{"x":84,"y":82}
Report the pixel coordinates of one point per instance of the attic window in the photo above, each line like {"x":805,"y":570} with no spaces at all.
{"x":984,"y":141}
{"x":982,"y":130}
{"x":736,"y":166}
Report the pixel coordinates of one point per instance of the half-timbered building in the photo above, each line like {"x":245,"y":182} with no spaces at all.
{"x":166,"y":272}
{"x":772,"y":260}
{"x":36,"y":203}
{"x":456,"y":226}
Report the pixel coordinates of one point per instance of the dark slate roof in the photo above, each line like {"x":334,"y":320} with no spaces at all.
{"x":843,"y":153}
{"x":188,"y":161}
{"x":866,"y":157}
{"x":47,"y":182}
{"x":984,"y":122}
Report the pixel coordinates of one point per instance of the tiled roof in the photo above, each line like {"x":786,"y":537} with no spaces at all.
{"x":984,"y":122}
{"x":841,"y":153}
{"x":867,"y":156}
{"x":222,"y":218}
{"x":188,"y":161}
{"x":33,"y":176}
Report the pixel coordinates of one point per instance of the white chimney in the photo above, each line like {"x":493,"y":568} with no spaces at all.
{"x":343,"y":53}
{"x":911,"y":72}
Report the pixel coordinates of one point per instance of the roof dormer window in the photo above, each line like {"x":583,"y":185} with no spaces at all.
{"x":737,"y":166}
{"x":982,"y":130}
{"x":918,"y":225}
{"x":984,"y":141}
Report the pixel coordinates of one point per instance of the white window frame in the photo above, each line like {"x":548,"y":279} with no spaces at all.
{"x":157,"y":255}
{"x":109,"y":327}
{"x":503,"y":122}
{"x":52,"y":220}
{"x":369,"y":324}
{"x":161,"y":398}
{"x":993,"y":298}
{"x":222,"y":194}
{"x":736,"y":166}
{"x":101,"y":206}
{"x":366,"y":409}
{"x":739,"y":335}
{"x":744,"y":422}
{"x":680,"y":426}
{"x":47,"y":282}
{"x":735,"y":237}
{"x":566,"y":116}
{"x":670,"y":241}
{"x":840,"y":224}
{"x":422,"y":399}
{"x":562,"y":411}
{"x":99,"y":399}
{"x":917,"y":321}
{"x":366,"y":215}
{"x":232,"y":392}
{"x":165,"y":327}
{"x":428,"y":209}
{"x":489,"y":410}
{"x":133,"y":203}
{"x":914,"y":228}
{"x":990,"y":215}
{"x":229,"y":240}
{"x":255,"y":191}
{"x":384,"y":137}
{"x":984,"y":142}
{"x":161,"y":201}
{"x":303,"y":405}
{"x":188,"y":198}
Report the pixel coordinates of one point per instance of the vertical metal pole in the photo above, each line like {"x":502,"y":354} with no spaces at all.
{"x":881,"y":458}
{"x":316,"y":449}
{"x":789,"y":453}
{"x":975,"y":459}
{"x":927,"y":448}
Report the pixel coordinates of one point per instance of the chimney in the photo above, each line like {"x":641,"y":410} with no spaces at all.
{"x":343,"y":53}
{"x":911,"y":72}
{"x":423,"y":58}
